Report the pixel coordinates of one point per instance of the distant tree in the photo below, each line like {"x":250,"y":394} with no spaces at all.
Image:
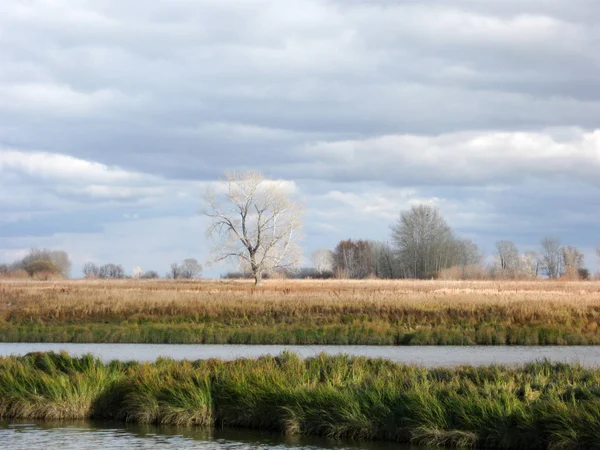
{"x":353,"y":259}
{"x":137,"y":273}
{"x":424,"y":242}
{"x":508,"y":258}
{"x":190,"y":268}
{"x":91,"y":270}
{"x":150,"y":274}
{"x":174,"y":271}
{"x":531,"y":263}
{"x":584,"y":274}
{"x":385,"y":264}
{"x":466,"y":253}
{"x":4,"y":268}
{"x":41,"y":266}
{"x":59,"y":258}
{"x":309,"y":272}
{"x":322,"y":260}
{"x":572,"y":260}
{"x":112,"y":271}
{"x":552,"y":257}
{"x":256,"y":223}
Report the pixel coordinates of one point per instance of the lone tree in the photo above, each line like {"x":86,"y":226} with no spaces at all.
{"x":254,"y":221}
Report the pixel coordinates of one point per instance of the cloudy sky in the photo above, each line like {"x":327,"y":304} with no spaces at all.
{"x":114,"y":117}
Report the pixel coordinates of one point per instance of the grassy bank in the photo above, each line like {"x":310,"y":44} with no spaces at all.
{"x":537,"y":406}
{"x":302,"y":312}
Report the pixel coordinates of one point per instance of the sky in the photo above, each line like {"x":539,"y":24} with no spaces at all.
{"x":115,"y":117}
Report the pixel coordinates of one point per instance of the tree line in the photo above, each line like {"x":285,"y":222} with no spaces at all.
{"x":42,"y":264}
{"x":45,"y":264}
{"x":254,"y":222}
{"x":422,"y":245}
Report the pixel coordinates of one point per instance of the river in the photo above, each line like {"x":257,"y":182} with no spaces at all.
{"x":427,"y":356}
{"x":84,"y":435}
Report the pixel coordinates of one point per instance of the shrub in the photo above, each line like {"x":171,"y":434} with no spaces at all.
{"x":584,"y":274}
{"x":15,"y":275}
{"x":46,"y":276}
{"x":470,"y":272}
{"x":40,"y":266}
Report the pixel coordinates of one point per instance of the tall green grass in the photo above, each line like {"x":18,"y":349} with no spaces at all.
{"x":380,"y":333}
{"x":536,"y":406}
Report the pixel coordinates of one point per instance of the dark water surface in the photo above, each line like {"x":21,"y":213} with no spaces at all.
{"x":29,"y":435}
{"x":428,"y":356}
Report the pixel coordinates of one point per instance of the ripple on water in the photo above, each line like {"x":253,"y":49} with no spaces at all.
{"x":88,"y":435}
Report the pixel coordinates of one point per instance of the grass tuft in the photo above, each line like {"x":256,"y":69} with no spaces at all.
{"x":535,"y":406}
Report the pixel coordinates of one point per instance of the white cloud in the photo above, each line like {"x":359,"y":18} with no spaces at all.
{"x":63,"y":168}
{"x":477,"y":158}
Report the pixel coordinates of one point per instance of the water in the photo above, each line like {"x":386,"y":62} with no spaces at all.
{"x":428,"y":356}
{"x":28,"y":435}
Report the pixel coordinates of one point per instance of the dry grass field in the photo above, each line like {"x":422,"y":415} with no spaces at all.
{"x":302,"y":312}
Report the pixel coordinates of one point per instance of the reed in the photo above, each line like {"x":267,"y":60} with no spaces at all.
{"x":536,"y":406}
{"x":302,"y":312}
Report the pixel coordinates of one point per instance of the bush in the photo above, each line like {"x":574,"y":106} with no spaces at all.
{"x":470,"y":272}
{"x":150,"y":274}
{"x":46,"y":276}
{"x":15,"y":275}
{"x":41,"y":266}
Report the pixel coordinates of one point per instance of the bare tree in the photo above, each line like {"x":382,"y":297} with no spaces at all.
{"x":190,"y":268}
{"x":466,"y":253}
{"x":90,"y":270}
{"x":150,"y":274}
{"x":114,"y":271}
{"x":354,"y":259}
{"x":256,"y":223}
{"x":322,"y":260}
{"x":552,"y":257}
{"x":137,"y":273}
{"x":572,"y":261}
{"x":508,"y":258}
{"x":531,"y":263}
{"x":384,"y":260}
{"x":423,"y":240}
{"x":174,"y":271}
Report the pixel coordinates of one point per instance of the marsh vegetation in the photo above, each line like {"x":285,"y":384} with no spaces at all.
{"x":536,"y":406}
{"x":398,"y":312}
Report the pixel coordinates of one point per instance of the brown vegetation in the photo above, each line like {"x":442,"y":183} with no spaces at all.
{"x":479,"y":311}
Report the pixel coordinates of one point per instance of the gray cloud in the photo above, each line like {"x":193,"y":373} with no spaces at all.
{"x":119,"y":112}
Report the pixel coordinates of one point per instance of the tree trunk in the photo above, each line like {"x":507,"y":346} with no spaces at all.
{"x":257,"y":278}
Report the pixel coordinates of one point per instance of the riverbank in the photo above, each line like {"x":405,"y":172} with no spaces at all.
{"x":302,"y":312}
{"x":536,"y":406}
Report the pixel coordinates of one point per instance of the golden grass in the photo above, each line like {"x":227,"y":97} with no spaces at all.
{"x":91,"y":299}
{"x":407,"y":304}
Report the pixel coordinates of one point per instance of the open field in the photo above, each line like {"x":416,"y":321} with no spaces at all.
{"x":302,"y":312}
{"x":537,"y":406}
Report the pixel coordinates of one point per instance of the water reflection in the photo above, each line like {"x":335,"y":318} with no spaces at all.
{"x":83,"y":435}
